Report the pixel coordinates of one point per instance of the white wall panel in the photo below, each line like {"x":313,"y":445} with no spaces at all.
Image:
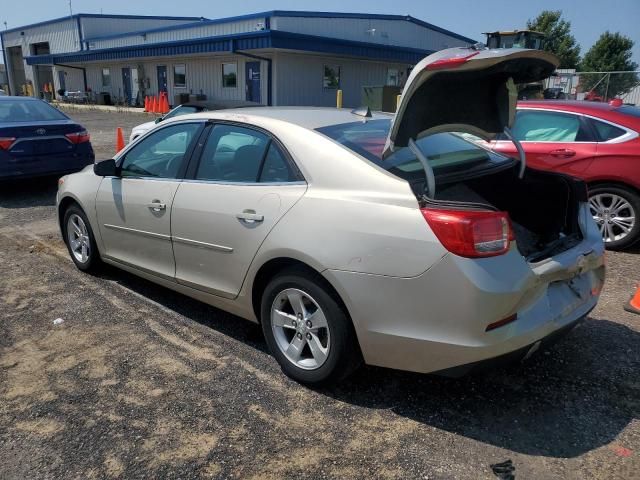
{"x":385,"y":32}
{"x":101,"y":26}
{"x":62,"y":37}
{"x":202,"y":31}
{"x":299,"y":79}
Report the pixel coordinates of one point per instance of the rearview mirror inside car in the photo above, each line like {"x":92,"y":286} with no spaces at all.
{"x":106,"y":168}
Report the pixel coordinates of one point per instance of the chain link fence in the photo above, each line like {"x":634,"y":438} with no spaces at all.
{"x":594,"y":86}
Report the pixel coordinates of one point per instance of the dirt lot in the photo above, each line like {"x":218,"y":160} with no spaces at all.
{"x":140,"y":382}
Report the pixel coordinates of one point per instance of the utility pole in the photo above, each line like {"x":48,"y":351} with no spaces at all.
{"x":70,"y":9}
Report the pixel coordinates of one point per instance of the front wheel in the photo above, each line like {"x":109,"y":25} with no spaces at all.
{"x":80,"y":240}
{"x":615,"y":210}
{"x":307,"y":330}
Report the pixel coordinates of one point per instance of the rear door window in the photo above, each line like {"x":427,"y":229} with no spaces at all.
{"x":232,"y":154}
{"x":242,"y":155}
{"x":606,"y":131}
{"x":544,"y":126}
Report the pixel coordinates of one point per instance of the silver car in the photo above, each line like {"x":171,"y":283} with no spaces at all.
{"x":355,"y":237}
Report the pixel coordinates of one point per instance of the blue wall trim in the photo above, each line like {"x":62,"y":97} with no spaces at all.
{"x":241,"y":41}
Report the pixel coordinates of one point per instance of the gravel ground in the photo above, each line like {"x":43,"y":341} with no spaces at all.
{"x":140,"y":382}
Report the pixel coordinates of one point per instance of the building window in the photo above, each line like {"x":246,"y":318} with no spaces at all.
{"x":393,"y":77}
{"x":180,"y":76}
{"x":229,"y":75}
{"x":106,"y":77}
{"x":331,"y":77}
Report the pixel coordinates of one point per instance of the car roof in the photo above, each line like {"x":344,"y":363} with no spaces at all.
{"x":307,"y":117}
{"x":14,"y":97}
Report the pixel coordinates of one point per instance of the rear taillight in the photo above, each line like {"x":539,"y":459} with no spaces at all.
{"x":79,"y":137}
{"x":450,"y":62}
{"x":6,"y":142}
{"x":471,"y":233}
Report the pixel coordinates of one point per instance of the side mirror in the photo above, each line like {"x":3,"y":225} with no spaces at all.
{"x":159,"y":119}
{"x":106,"y":168}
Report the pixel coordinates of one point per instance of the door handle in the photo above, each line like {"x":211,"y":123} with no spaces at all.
{"x":157,"y":206}
{"x":249,"y":216}
{"x":562,"y":153}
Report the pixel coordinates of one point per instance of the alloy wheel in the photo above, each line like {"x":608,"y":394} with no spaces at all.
{"x":300,"y":329}
{"x":614,"y":215}
{"x":78,"y":237}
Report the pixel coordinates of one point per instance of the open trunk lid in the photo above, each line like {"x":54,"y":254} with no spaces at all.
{"x":465,"y":90}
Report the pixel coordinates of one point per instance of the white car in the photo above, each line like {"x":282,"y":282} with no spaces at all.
{"x":355,"y":237}
{"x":185,"y":109}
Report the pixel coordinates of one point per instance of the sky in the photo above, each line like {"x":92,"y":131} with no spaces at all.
{"x":467,"y":17}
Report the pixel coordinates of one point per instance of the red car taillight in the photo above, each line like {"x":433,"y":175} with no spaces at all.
{"x":471,"y":233}
{"x":451,"y":62}
{"x":6,"y":142}
{"x":79,"y":137}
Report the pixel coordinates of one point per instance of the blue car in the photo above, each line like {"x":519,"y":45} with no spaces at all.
{"x":37,"y":140}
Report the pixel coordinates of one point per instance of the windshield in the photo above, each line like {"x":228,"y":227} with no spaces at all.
{"x":445,"y":152}
{"x":183,"y":110}
{"x":28,"y":111}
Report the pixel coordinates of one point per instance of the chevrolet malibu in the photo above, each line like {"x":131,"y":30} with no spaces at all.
{"x":355,"y":237}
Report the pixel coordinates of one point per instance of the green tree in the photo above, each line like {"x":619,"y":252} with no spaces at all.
{"x":558,"y":38}
{"x":611,"y":53}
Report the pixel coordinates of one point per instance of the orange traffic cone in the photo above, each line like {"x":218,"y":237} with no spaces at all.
{"x":152,"y":104}
{"x":165,"y":104}
{"x":119,"y":139}
{"x":633,"y":305}
{"x":146,"y":103}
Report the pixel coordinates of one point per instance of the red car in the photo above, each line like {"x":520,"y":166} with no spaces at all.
{"x":596,"y":142}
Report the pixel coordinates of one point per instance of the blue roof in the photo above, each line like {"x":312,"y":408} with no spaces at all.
{"x":242,"y":41}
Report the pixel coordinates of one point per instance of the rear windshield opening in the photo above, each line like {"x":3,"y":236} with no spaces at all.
{"x":447,"y":153}
{"x":28,"y":111}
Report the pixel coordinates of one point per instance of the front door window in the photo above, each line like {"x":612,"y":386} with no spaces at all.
{"x":160,"y":154}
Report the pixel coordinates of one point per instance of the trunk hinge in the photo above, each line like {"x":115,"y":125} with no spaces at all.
{"x":428,"y":171}
{"x":523,"y":157}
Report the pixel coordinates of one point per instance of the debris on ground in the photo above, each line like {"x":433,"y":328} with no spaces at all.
{"x":504,"y":470}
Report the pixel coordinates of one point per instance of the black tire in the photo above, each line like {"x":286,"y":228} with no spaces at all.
{"x":93,"y":262}
{"x":632,"y":197}
{"x":343,"y":356}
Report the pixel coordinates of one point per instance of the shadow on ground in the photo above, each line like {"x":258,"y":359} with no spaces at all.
{"x":575,"y":397}
{"x":40,"y":192}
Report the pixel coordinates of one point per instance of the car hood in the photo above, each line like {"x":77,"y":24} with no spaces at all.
{"x":465,"y":90}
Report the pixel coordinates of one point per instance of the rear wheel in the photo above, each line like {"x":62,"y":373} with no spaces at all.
{"x":307,"y":330}
{"x":80,"y":240}
{"x":615,"y":210}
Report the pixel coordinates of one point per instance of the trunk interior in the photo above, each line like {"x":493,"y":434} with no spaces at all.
{"x":543,"y":206}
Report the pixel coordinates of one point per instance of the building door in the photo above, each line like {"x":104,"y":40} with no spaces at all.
{"x":135,"y":87}
{"x":252,"y":81}
{"x":126,"y":84}
{"x":62,"y":84}
{"x":162,"y":78}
